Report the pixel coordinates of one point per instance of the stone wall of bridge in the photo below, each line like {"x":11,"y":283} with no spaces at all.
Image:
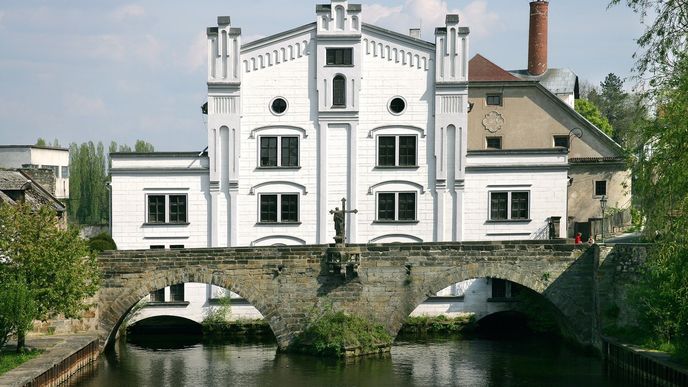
{"x":291,"y":284}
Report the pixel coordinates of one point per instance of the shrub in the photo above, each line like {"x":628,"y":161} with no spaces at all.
{"x":102,"y":242}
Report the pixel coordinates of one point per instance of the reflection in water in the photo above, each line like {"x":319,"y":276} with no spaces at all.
{"x":413,"y":363}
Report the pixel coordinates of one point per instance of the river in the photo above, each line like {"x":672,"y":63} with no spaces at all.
{"x":179,"y":361}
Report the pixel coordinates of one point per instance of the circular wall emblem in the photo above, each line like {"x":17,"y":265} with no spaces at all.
{"x":493,"y":122}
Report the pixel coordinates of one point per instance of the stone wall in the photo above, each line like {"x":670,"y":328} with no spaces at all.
{"x":383,"y":283}
{"x":619,"y":267}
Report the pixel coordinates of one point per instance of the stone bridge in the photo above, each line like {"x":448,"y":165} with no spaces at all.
{"x":383,"y":282}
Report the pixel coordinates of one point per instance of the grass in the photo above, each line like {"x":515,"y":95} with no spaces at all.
{"x":10,"y":359}
{"x":640,"y":338}
{"x":439,"y":324}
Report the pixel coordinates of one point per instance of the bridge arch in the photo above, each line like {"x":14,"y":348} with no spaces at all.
{"x":126,"y":298}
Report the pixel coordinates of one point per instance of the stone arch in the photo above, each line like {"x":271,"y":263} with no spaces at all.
{"x":116,"y":310}
{"x":421,"y":290}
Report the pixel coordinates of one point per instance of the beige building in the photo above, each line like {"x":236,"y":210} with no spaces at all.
{"x":508,"y":113}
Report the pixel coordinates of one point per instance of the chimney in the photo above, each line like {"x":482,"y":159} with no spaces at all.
{"x":537,"y":37}
{"x":414,"y":33}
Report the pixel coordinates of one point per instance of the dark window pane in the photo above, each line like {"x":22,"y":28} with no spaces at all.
{"x":561,"y":141}
{"x":494,"y":99}
{"x":158,"y":295}
{"x":494,"y":142}
{"x":600,"y":188}
{"x":407,"y":206}
{"x":177,"y":292}
{"x":268,"y":151}
{"x":397,"y":105}
{"x":290,"y":151}
{"x":156,"y":208}
{"x":385,"y":153}
{"x":407,"y":150}
{"x":279,"y":105}
{"x":498,"y":205}
{"x":339,"y":56}
{"x":339,"y":91}
{"x":178,"y":208}
{"x":385,"y":206}
{"x":290,"y":208}
{"x":498,"y":288}
{"x":519,"y":205}
{"x":268,"y":208}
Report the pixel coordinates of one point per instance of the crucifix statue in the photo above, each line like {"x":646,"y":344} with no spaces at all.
{"x":339,"y":222}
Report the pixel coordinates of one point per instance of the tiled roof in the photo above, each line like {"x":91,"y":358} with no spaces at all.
{"x":12,"y":180}
{"x":34,"y":194}
{"x":481,"y":69}
{"x":558,"y":81}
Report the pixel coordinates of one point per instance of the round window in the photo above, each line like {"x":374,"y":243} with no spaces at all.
{"x":397,"y":105}
{"x":278,"y":105}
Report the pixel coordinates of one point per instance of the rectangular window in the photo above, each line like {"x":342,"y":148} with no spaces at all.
{"x":279,"y":151}
{"x":177,"y":293}
{"x":156,"y":208}
{"x":176,"y":246}
{"x":177,"y":208}
{"x":65,"y":172}
{"x":167,"y":209}
{"x":494,"y":99}
{"x":396,"y":151}
{"x":601,"y":188}
{"x":157,"y":247}
{"x":493,"y":142}
{"x":561,"y":141}
{"x":396,"y":206}
{"x":510,"y":205}
{"x":498,"y":288}
{"x":340,"y":57}
{"x":158,"y":295}
{"x":279,"y":208}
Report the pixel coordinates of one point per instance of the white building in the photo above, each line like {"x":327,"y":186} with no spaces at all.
{"x":329,"y":110}
{"x":34,"y":156}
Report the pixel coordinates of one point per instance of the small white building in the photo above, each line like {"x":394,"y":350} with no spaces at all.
{"x":34,"y":156}
{"x":335,"y":109}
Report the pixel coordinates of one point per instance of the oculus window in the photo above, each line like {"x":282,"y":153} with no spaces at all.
{"x":396,"y":151}
{"x":396,"y":206}
{"x":340,"y":57}
{"x":166,"y":209}
{"x":510,"y":205}
{"x":397,"y":105}
{"x":279,"y":208}
{"x":279,"y":151}
{"x":278,"y":106}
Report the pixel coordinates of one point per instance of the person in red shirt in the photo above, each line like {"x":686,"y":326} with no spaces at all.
{"x":579,"y":239}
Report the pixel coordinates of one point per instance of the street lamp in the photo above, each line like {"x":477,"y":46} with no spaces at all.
{"x":603,"y":204}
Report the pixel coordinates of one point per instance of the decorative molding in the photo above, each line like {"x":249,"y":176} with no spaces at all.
{"x":411,"y":183}
{"x":411,"y":237}
{"x":451,"y":104}
{"x":288,"y":237}
{"x":252,"y":135}
{"x":276,"y":55}
{"x":167,"y":189}
{"x":493,"y":122}
{"x":411,"y":127}
{"x":252,"y":190}
{"x":223,"y":105}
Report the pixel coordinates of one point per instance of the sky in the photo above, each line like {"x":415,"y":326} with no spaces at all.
{"x":84,"y":70}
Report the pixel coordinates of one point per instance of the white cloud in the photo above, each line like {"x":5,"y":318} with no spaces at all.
{"x":197,"y":54}
{"x":81,"y":105}
{"x":145,"y":49}
{"x":429,"y":14}
{"x":129,"y":11}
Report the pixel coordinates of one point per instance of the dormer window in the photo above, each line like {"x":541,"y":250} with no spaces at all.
{"x":340,"y":57}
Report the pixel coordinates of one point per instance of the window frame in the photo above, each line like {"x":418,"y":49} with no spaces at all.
{"x":279,"y":154}
{"x":494,"y":95}
{"x":594,"y":188}
{"x":176,"y":293}
{"x":396,"y":210}
{"x":334,"y":50}
{"x":167,"y":207}
{"x":561,"y":136}
{"x":509,"y":206}
{"x":279,"y":213}
{"x":487,"y":142}
{"x":397,"y":153}
{"x":335,"y":97}
{"x":272,"y":102}
{"x":389,"y":105}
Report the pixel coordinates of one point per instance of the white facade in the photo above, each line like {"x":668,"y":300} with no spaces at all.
{"x":33,"y":156}
{"x":330,"y":110}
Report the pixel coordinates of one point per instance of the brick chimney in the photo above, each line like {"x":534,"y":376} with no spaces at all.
{"x":537,"y":37}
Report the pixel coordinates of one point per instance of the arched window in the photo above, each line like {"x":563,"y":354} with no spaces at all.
{"x":339,"y":91}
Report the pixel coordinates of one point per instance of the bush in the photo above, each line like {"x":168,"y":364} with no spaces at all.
{"x":332,"y":333}
{"x":102,"y":242}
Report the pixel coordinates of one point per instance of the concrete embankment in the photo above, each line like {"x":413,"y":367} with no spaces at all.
{"x":643,"y":367}
{"x":63,"y":356}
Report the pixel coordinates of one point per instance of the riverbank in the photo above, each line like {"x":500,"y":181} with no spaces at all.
{"x":62,"y":357}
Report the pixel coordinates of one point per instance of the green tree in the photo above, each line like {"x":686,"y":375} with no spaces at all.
{"x":41,"y":142}
{"x":613,"y":103}
{"x":50,"y":265}
{"x":143,"y":147}
{"x":591,"y":113}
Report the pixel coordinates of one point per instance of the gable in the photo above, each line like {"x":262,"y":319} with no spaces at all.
{"x":481,"y":69}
